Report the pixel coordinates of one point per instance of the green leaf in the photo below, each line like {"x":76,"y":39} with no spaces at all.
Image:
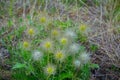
{"x":94,"y":66}
{"x":93,"y":47}
{"x":10,"y":23}
{"x":18,"y":66}
{"x":63,"y":76}
{"x":30,"y":69}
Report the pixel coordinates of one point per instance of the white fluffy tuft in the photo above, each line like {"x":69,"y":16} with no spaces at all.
{"x":37,"y":55}
{"x":74,"y":48}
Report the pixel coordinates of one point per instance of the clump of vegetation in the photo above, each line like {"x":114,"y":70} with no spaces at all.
{"x":56,"y":56}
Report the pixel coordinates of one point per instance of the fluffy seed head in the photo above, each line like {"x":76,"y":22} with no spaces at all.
{"x":47,"y":44}
{"x":55,"y":32}
{"x":83,"y":27}
{"x":63,"y":40}
{"x":59,"y":55}
{"x":85,"y":57}
{"x":74,"y":48}
{"x":26,"y":44}
{"x":30,"y":31}
{"x":50,"y":69}
{"x":37,"y":55}
{"x":77,"y":63}
{"x":70,"y":34}
{"x":42,"y":19}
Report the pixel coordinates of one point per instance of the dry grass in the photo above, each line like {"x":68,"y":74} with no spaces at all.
{"x":105,"y":34}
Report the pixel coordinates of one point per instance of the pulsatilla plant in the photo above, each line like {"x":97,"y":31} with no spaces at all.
{"x":57,"y":56}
